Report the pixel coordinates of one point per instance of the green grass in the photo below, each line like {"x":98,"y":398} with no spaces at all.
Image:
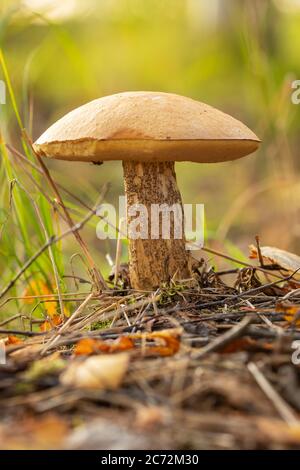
{"x":27,"y":216}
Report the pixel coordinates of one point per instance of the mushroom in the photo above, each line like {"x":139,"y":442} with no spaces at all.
{"x":149,"y":131}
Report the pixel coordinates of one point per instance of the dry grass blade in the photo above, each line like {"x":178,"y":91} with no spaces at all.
{"x":54,"y":239}
{"x":284,"y":410}
{"x":234,"y":333}
{"x":66,"y":325}
{"x":95,"y":272}
{"x":235,"y":260}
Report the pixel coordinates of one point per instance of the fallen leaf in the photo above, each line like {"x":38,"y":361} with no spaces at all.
{"x":39,"y":288}
{"x":170,"y":339}
{"x":246,"y":344}
{"x":169,"y":343}
{"x":148,"y":417}
{"x":123,"y":343}
{"x":282,"y":258}
{"x":13,"y":340}
{"x":278,"y":431}
{"x":86,"y":346}
{"x":31,"y":433}
{"x":104,"y":372}
{"x":291,"y":312}
{"x":89,"y":346}
{"x":50,"y":324}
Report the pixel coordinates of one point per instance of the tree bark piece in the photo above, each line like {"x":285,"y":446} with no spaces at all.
{"x":154,"y":261}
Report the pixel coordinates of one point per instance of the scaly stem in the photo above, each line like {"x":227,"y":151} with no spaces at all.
{"x":154,"y":261}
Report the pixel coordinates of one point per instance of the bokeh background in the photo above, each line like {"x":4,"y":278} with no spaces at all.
{"x":239,"y":56}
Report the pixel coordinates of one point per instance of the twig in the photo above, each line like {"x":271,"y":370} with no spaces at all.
{"x":51,"y":256}
{"x":39,"y":170}
{"x":53,"y":239}
{"x":109,"y":309}
{"x":10,"y":319}
{"x":51,"y":202}
{"x":284,"y":410}
{"x":260,"y":257}
{"x":67,"y":324}
{"x":94,"y":271}
{"x":248,"y":292}
{"x":291,"y":294}
{"x":267,"y":333}
{"x":60,"y":186}
{"x":118,"y":251}
{"x":235,"y":260}
{"x":226,"y":338}
{"x":109,"y":314}
{"x":21,"y":332}
{"x":54,"y":267}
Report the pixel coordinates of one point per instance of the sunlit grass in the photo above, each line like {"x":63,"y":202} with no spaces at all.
{"x":29,"y":214}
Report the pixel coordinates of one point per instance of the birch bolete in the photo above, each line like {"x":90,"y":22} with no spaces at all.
{"x":149,"y":132}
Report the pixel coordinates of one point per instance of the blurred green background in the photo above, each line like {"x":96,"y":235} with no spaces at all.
{"x":239,"y":56}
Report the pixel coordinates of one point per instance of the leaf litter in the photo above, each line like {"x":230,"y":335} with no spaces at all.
{"x":202,"y":364}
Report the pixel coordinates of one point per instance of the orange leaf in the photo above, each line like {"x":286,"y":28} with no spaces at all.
{"x":245,"y":344}
{"x":123,"y":343}
{"x":170,"y":339}
{"x":291,"y":312}
{"x":39,"y":288}
{"x":35,"y":288}
{"x":86,"y":346}
{"x":89,"y":346}
{"x":49,"y":325}
{"x":13,"y":340}
{"x":169,"y":343}
{"x":284,"y":259}
{"x":172,"y":343}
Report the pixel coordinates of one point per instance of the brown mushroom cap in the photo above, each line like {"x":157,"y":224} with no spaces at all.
{"x":147,"y":126}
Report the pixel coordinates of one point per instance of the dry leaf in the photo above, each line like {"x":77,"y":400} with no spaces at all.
{"x":246,"y":344}
{"x":284,"y":259}
{"x":101,"y":372}
{"x":148,"y":417}
{"x":38,"y":288}
{"x":31,"y":433}
{"x":168,"y":343}
{"x":278,"y":431}
{"x":86,"y":346}
{"x":291,"y":312}
{"x":89,"y":346}
{"x":238,"y":344}
{"x":170,"y":339}
{"x":49,"y":325}
{"x":123,"y":343}
{"x":13,"y":340}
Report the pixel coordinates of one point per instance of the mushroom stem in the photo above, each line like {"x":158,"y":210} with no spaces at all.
{"x":157,"y":250}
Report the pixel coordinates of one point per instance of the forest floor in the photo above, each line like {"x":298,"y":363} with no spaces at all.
{"x":198,"y":365}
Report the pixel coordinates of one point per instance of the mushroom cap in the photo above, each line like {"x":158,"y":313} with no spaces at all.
{"x":147,"y":126}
